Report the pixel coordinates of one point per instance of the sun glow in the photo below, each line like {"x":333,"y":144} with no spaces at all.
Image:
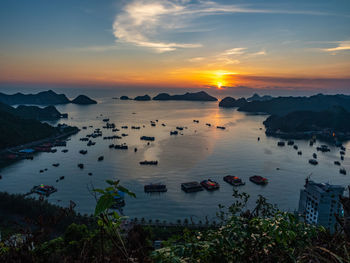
{"x":219,"y":85}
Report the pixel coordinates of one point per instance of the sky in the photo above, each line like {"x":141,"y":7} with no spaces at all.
{"x":224,"y":45}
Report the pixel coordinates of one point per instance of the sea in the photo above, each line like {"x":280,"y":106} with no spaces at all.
{"x":197,"y":153}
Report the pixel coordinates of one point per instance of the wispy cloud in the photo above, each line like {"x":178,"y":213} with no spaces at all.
{"x":144,"y":23}
{"x":341,"y":45}
{"x":197,"y":59}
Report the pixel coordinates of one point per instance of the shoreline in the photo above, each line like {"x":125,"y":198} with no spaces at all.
{"x":15,"y":149}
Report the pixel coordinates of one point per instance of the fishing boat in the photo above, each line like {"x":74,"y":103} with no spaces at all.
{"x":174,"y":132}
{"x":313,"y":162}
{"x":121,"y":147}
{"x":154,"y":188}
{"x":336,"y":162}
{"x":191,"y":187}
{"x":44,"y":189}
{"x":233,"y":180}
{"x":149,"y":162}
{"x":100,"y":158}
{"x":147,"y":138}
{"x":295,"y":147}
{"x":55,"y":164}
{"x":257,"y":179}
{"x":342,"y":171}
{"x":210,"y":184}
{"x":281,"y":143}
{"x":83,"y":151}
{"x":221,"y":127}
{"x":290,"y":142}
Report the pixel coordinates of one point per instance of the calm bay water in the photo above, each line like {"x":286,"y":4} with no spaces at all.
{"x":200,"y":153}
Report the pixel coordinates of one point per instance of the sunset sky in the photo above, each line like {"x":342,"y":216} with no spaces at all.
{"x":296,"y":44}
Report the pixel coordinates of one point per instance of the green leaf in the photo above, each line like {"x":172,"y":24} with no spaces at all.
{"x":104,"y":203}
{"x":99,"y":191}
{"x":123,"y":189}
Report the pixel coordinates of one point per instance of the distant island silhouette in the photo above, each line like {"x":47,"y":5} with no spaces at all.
{"x":43,"y":98}
{"x":196,"y":96}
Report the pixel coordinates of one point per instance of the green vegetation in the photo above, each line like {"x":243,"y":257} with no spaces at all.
{"x":16,"y":131}
{"x":264,"y":234}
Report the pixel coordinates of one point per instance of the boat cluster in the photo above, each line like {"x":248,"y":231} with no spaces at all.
{"x":208,"y":184}
{"x":322,"y":148}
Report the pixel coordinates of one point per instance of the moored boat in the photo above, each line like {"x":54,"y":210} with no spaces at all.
{"x":44,"y":189}
{"x":210,"y":184}
{"x":257,"y":179}
{"x":233,"y":180}
{"x":154,"y":188}
{"x":191,"y":187}
{"x":313,"y":162}
{"x":149,"y":162}
{"x":342,"y":171}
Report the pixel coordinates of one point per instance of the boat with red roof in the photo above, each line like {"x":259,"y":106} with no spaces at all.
{"x":257,"y":179}
{"x":233,"y":180}
{"x":210,"y":184}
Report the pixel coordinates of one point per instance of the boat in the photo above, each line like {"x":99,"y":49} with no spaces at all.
{"x":118,"y":200}
{"x":311,"y":143}
{"x":153,"y":188}
{"x":111,"y":146}
{"x":135,"y":149}
{"x":342,"y":171}
{"x":313,"y":162}
{"x":90,"y":143}
{"x":323,"y":148}
{"x":336,"y":162}
{"x":281,"y":143}
{"x":342,"y":148}
{"x":147,"y":138}
{"x":300,"y":153}
{"x":55,"y":164}
{"x":210,"y":184}
{"x":290,"y":142}
{"x":191,"y":187}
{"x":314,"y":155}
{"x":121,"y":147}
{"x":257,"y":179}
{"x":179,"y":128}
{"x":81,"y":166}
{"x":295,"y":147}
{"x":83,"y":151}
{"x":105,"y":120}
{"x":100,"y":158}
{"x":124,"y":127}
{"x":342,"y":157}
{"x":44,"y":189}
{"x":208,"y":124}
{"x":174,"y":132}
{"x":124,"y":134}
{"x":221,"y":127}
{"x":153,"y":124}
{"x":342,"y":153}
{"x":196,"y":121}
{"x":62,"y":177}
{"x":163,"y":124}
{"x":64,"y":150}
{"x":149,"y":163}
{"x":233,"y":180}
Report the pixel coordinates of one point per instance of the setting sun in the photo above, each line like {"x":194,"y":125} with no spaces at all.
{"x":219,"y":85}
